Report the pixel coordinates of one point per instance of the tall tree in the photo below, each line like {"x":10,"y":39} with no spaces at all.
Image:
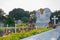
{"x":1,"y":12}
{"x":2,"y":17}
{"x":10,"y":21}
{"x":19,"y":14}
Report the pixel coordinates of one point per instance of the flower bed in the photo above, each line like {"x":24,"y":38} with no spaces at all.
{"x":23,"y":34}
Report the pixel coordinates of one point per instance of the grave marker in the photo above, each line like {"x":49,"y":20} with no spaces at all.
{"x":54,"y":18}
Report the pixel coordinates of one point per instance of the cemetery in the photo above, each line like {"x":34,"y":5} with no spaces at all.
{"x":23,"y":34}
{"x":25,"y":27}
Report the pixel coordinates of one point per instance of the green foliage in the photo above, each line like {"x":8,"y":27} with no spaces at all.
{"x":33,"y":12}
{"x":23,"y":34}
{"x":1,"y":12}
{"x":1,"y":38}
{"x":2,"y":17}
{"x":19,"y":13}
{"x":10,"y":21}
{"x":25,"y":19}
{"x":34,"y":19}
{"x":2,"y":29}
{"x":23,"y":24}
{"x":19,"y":26}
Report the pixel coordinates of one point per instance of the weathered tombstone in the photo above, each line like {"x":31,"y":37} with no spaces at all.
{"x":43,"y":18}
{"x":54,"y":18}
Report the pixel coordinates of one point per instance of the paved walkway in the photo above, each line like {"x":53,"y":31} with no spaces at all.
{"x":49,"y":35}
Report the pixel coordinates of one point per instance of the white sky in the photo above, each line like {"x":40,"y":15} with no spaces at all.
{"x":8,"y":5}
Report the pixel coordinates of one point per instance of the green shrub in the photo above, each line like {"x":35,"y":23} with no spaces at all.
{"x":1,"y":38}
{"x":25,"y":25}
{"x":23,"y":34}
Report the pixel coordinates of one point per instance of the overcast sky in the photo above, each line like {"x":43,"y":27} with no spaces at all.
{"x":8,"y":5}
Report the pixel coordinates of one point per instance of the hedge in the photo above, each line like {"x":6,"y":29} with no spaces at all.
{"x":23,"y":34}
